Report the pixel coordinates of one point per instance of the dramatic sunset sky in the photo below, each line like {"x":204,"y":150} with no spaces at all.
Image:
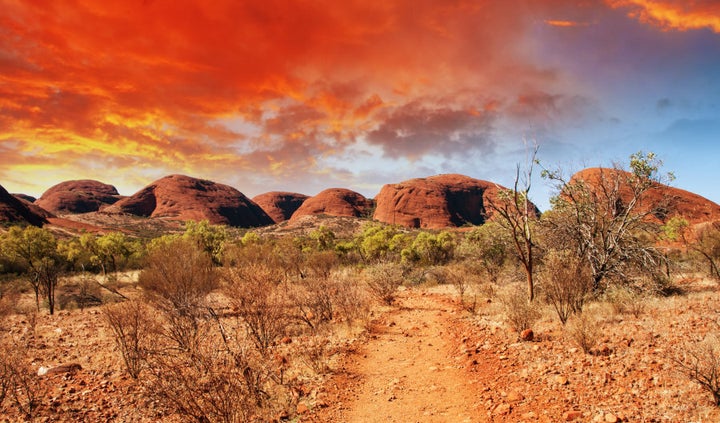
{"x":304,"y":95}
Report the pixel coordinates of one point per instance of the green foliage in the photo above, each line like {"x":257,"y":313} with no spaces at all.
{"x":323,"y":239}
{"x":430,"y":249}
{"x":110,"y":252}
{"x":489,"y":246}
{"x":675,"y":229}
{"x":35,"y":252}
{"x":210,"y":238}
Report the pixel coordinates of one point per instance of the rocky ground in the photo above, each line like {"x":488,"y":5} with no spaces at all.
{"x":426,"y":359}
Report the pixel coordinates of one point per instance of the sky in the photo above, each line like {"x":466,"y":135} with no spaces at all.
{"x":272,"y":95}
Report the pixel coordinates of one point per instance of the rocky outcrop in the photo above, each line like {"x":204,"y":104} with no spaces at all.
{"x":436,"y":202}
{"x":14,"y":210}
{"x":25,"y":197}
{"x":335,"y":202}
{"x":179,"y":197}
{"x":280,"y":206}
{"x":82,"y":196}
{"x":662,"y":202}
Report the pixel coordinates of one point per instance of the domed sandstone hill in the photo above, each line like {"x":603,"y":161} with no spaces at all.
{"x":82,"y":196}
{"x":179,"y":197}
{"x":280,"y":206}
{"x":437,"y":202}
{"x":335,"y":202}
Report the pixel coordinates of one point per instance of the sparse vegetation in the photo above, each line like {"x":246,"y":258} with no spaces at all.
{"x":224,"y":325}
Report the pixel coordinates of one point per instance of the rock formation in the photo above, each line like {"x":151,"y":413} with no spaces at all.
{"x":179,"y":197}
{"x":436,"y":202}
{"x":82,"y":196}
{"x":280,"y":206}
{"x":335,"y":202}
{"x":13,"y":210}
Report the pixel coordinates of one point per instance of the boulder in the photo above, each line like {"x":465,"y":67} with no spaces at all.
{"x":81,"y":196}
{"x":280,"y":206}
{"x":180,"y":197}
{"x":335,"y":202}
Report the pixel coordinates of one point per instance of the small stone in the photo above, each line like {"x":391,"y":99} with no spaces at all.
{"x":561,"y":380}
{"x":302,"y":408}
{"x":503,"y":409}
{"x":611,"y":418}
{"x":527,"y":335}
{"x":569,"y":416}
{"x":514,"y":396}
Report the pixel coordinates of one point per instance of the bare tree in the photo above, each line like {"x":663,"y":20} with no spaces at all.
{"x":516,"y":215}
{"x":605,"y":213}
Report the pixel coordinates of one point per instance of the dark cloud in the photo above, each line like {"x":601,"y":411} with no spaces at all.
{"x":414,"y":131}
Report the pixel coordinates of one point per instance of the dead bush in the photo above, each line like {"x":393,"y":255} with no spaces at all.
{"x":177,"y":279}
{"x":520,"y":313}
{"x":383,"y":280}
{"x":468,"y":285}
{"x":566,"y":282}
{"x":133,"y":326}
{"x":223,"y":380}
{"x":258,"y":295}
{"x":584,"y":330}
{"x":18,"y":382}
{"x":701,"y":363}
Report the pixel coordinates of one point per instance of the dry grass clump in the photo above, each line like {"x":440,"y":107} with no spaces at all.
{"x":383,"y":280}
{"x":584,"y":330}
{"x":626,"y":300}
{"x":519,"y":313}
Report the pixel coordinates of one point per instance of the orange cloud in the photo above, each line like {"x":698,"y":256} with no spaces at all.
{"x":262,"y":87}
{"x":674,"y":14}
{"x":565,"y":24}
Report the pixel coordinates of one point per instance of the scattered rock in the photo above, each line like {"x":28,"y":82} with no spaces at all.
{"x":611,"y":418}
{"x":569,"y":416}
{"x":302,"y":408}
{"x":527,"y":335}
{"x":63,"y":368}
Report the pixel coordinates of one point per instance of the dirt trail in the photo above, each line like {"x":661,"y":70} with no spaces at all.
{"x":409,"y":370}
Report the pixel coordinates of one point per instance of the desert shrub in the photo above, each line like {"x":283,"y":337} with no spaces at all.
{"x":177,"y":279}
{"x":133,"y":327}
{"x":18,"y":382}
{"x":320,"y":264}
{"x":566,"y":282}
{"x":468,"y":285}
{"x":626,"y":300}
{"x":701,"y":363}
{"x":258,"y":295}
{"x":430,"y":249}
{"x":489,"y":247}
{"x":383,"y":280}
{"x":584,"y":330}
{"x":312,"y":351}
{"x":520,"y":313}
{"x":223,"y":380}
